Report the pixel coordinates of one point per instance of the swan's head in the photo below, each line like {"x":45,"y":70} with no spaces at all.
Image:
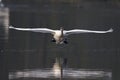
{"x":61,"y":28}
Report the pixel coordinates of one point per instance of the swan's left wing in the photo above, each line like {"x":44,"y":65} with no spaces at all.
{"x":78,"y":31}
{"x":42,"y":30}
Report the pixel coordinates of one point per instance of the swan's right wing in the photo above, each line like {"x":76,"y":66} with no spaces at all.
{"x":78,"y":31}
{"x":42,"y":30}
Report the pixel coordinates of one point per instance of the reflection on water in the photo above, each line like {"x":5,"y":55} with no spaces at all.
{"x":57,"y":68}
{"x":67,"y":73}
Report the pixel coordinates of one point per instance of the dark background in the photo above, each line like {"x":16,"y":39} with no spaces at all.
{"x":28,"y":50}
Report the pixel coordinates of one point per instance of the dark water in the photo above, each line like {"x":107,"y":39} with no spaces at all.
{"x":33,"y":53}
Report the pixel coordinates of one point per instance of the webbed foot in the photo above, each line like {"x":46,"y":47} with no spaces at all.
{"x":53,"y":40}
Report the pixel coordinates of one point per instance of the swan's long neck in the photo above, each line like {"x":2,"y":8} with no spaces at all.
{"x":61,"y":29}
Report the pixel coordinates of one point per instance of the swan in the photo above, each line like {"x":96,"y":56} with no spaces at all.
{"x":59,"y":36}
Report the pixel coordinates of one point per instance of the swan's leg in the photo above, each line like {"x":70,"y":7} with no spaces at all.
{"x":53,"y":40}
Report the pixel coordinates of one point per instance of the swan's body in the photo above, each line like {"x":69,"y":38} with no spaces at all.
{"x":60,"y":35}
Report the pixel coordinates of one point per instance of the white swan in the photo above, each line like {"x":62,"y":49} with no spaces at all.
{"x":59,"y":36}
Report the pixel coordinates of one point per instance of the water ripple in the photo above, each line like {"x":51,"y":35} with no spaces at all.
{"x":67,"y":73}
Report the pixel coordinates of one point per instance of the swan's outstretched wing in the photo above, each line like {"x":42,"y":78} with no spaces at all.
{"x":78,"y":31}
{"x":42,"y":30}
